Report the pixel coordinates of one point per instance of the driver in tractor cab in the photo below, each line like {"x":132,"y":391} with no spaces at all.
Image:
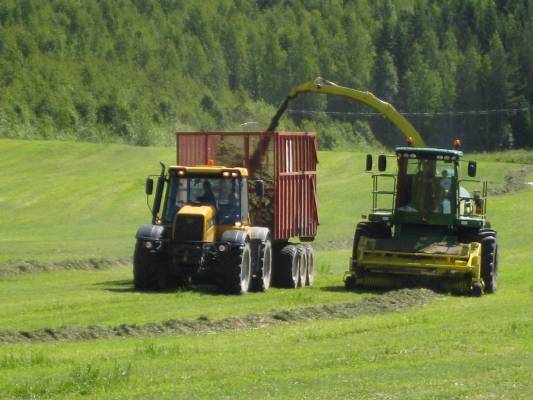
{"x":208,"y":197}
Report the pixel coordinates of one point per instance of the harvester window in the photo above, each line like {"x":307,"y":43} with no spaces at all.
{"x":426,"y":185}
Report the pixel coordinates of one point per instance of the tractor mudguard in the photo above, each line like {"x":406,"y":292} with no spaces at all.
{"x":259,"y":233}
{"x":238,"y":237}
{"x":150,"y":232}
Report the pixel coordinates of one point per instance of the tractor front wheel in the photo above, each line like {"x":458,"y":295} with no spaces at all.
{"x":235,"y":273}
{"x":145,"y":268}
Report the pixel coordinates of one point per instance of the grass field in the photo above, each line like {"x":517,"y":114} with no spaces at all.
{"x":70,"y":201}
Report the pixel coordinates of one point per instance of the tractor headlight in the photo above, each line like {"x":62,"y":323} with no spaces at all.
{"x":222,"y":247}
{"x":148,"y":245}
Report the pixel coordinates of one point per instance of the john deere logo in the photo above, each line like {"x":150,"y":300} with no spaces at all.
{"x":189,"y":221}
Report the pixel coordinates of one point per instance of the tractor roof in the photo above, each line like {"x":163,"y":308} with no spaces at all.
{"x":210,"y":170}
{"x":426,"y":152}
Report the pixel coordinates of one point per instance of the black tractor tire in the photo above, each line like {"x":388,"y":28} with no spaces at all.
{"x":489,"y":263}
{"x":288,"y":272}
{"x":145,"y":268}
{"x":263,"y":280}
{"x":310,"y":277}
{"x":235,"y":272}
{"x":302,"y":268}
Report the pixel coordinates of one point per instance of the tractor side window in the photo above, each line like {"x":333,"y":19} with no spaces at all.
{"x":229,"y":203}
{"x":177,"y":197}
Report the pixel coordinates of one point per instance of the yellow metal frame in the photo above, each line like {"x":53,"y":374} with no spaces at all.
{"x":323,"y":86}
{"x":466,"y":263}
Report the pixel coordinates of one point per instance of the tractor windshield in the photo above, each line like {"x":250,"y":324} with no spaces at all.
{"x":426,"y":185}
{"x":224,"y":194}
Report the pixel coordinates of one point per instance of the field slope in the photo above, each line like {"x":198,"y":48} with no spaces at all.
{"x":80,"y":331}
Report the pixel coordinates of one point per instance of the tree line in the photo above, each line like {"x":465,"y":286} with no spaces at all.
{"x":135,"y":71}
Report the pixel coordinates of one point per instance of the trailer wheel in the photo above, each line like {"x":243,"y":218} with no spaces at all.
{"x":145,"y":266}
{"x":235,"y":272}
{"x":310,"y":276}
{"x":288,"y":272}
{"x":489,"y":263}
{"x":303,"y":264}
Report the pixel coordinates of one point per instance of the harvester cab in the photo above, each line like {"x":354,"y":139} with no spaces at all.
{"x":427,"y":226}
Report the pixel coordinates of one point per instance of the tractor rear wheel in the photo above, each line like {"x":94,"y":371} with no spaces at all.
{"x":263,"y":280}
{"x":235,"y":273}
{"x":489,"y":263}
{"x":145,"y":268}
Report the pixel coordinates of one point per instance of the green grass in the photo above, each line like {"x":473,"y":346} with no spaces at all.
{"x":454,"y":347}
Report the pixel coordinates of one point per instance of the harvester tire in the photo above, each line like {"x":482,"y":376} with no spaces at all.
{"x":302,"y":268}
{"x":235,"y":273}
{"x":310,"y":276}
{"x":489,"y":263}
{"x":370,"y":230}
{"x":288,"y":272}
{"x":145,"y":269}
{"x":350,"y":283}
{"x":263,"y":279}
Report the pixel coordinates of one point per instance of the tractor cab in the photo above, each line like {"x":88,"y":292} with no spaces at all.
{"x":224,"y":190}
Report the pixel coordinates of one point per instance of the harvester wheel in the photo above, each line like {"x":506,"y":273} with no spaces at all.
{"x":310,"y":276}
{"x":489,"y":263}
{"x":477,"y":289}
{"x":350,"y":283}
{"x":235,"y":273}
{"x":370,"y":230}
{"x":288,"y":267}
{"x":361,"y":230}
{"x":302,"y":257}
{"x":145,"y":267}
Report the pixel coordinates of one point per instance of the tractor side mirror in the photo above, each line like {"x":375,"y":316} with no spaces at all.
{"x":382,"y":162}
{"x":149,"y":188}
{"x":369,"y":162}
{"x":260,"y":188}
{"x":472,"y":166}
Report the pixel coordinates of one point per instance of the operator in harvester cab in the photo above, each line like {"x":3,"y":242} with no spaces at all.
{"x":208,"y":197}
{"x":445,"y":186}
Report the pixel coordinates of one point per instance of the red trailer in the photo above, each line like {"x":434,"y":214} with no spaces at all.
{"x":286,"y":161}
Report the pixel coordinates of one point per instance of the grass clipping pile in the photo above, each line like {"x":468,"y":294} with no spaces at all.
{"x":387,"y":302}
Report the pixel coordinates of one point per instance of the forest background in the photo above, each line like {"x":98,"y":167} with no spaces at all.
{"x":135,"y":71}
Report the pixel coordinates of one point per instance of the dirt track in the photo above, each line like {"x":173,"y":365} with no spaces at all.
{"x":378,"y":304}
